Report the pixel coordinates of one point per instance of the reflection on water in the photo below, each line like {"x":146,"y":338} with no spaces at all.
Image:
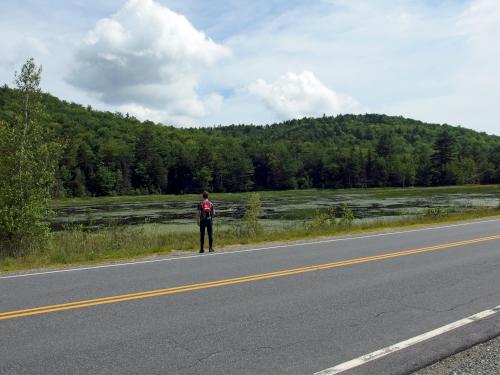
{"x":277,"y":211}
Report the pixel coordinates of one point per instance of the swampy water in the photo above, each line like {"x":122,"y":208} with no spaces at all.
{"x":279,"y":210}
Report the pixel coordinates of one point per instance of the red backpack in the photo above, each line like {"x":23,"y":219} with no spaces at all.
{"x":206,"y":209}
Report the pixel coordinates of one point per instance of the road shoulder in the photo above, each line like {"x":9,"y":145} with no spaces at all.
{"x":258,"y":246}
{"x":481,"y":359}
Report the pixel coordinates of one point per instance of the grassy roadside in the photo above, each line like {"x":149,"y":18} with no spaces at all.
{"x":75,"y":247}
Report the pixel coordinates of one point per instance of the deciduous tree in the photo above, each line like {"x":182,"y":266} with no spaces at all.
{"x":28,"y":160}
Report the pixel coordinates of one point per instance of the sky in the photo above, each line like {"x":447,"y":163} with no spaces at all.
{"x":199,"y":63}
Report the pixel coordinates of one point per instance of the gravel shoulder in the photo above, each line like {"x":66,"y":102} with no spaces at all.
{"x":482,"y":359}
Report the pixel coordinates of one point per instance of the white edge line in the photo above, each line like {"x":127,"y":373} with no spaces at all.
{"x":243,"y":251}
{"x":407,"y":343}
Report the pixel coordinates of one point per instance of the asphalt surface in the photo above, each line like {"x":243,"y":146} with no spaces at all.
{"x":293,"y":324}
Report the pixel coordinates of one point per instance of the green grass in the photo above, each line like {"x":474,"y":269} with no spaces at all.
{"x":427,"y":191}
{"x":76,"y":246}
{"x":374,"y":192}
{"x":82,"y":201}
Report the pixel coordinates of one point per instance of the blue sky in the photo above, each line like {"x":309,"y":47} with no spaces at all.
{"x":192,"y":62}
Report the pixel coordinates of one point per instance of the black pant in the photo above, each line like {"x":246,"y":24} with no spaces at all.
{"x":206,"y":223}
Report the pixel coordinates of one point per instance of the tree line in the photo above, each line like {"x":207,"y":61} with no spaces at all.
{"x":115,"y":154}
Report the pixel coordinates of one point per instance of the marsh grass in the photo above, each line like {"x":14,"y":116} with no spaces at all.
{"x":278,"y":208}
{"x":76,"y":245}
{"x":292,"y":194}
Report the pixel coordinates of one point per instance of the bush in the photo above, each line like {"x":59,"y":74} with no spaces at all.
{"x":251,"y":225}
{"x":435,"y":212}
{"x":347,"y":215}
{"x":324,"y":219}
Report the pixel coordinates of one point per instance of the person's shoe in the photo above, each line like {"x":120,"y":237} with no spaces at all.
{"x":211,"y":250}
{"x":202,"y":251}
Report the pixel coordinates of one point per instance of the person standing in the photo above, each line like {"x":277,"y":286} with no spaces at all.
{"x":204,"y":216}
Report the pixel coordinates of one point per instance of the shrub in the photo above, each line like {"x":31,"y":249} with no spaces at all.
{"x":435,"y":212}
{"x":347,"y":215}
{"x":251,"y":224}
{"x":324,"y":219}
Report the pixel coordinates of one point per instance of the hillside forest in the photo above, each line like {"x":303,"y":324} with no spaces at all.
{"x":115,"y":154}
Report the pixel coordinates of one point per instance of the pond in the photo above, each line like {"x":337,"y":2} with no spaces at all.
{"x":279,"y":210}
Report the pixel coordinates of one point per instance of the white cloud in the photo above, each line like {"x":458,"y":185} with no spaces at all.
{"x":148,"y":58}
{"x":434,"y":61}
{"x":473,"y":85}
{"x":17,"y":47}
{"x":299,"y":95}
{"x":378,"y":52}
{"x":480,"y":25}
{"x":198,"y":109}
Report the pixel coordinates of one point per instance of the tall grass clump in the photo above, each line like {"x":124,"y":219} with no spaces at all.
{"x":327,"y":220}
{"x":323,"y":219}
{"x":436,"y":212}
{"x":347,"y":216}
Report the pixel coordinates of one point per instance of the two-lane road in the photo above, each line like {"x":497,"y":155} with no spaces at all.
{"x":294,"y":309}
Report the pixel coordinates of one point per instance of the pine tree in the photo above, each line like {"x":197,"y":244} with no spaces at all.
{"x":444,"y":154}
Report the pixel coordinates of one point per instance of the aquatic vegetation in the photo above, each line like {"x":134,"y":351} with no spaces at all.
{"x":278,"y":209}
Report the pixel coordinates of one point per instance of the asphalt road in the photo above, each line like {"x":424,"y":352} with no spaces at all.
{"x":302,"y":308}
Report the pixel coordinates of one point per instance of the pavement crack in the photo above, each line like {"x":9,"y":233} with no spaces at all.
{"x":177,"y":344}
{"x":200,"y":360}
{"x":373,"y":317}
{"x":470,"y":301}
{"x":401,"y":302}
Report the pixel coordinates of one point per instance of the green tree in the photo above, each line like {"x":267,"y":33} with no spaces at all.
{"x":422,"y":154}
{"x":28,"y":160}
{"x":150,"y":174}
{"x":487,"y":173}
{"x":445,"y":153}
{"x":203,"y":178}
{"x":282,"y":167}
{"x":403,"y":170}
{"x":106,"y":180}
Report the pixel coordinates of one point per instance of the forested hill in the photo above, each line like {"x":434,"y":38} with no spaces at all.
{"x":110,"y":153}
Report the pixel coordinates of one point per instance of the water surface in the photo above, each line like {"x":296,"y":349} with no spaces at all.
{"x":278,"y":211}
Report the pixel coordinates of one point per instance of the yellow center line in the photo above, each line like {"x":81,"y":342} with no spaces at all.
{"x":232,"y":281}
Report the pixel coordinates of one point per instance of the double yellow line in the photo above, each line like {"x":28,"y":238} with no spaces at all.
{"x":233,"y":281}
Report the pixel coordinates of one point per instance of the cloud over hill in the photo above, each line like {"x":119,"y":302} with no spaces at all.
{"x":146,"y":57}
{"x":299,"y":95}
